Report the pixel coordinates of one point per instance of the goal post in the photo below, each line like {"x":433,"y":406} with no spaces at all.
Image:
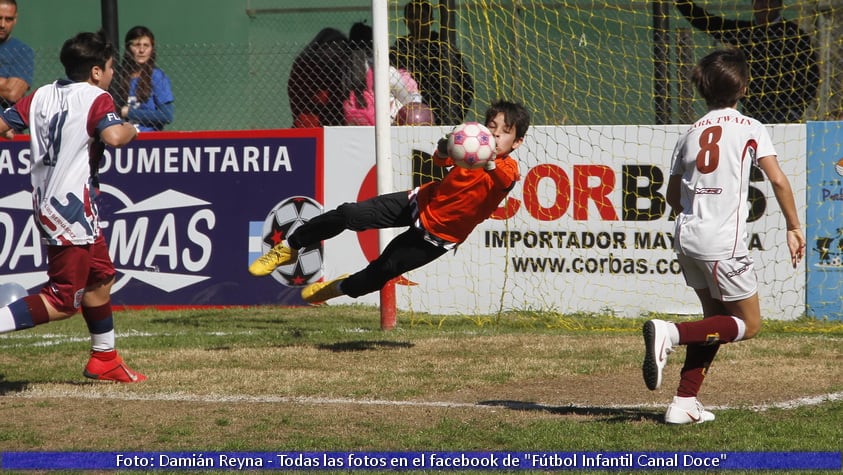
{"x":383,"y":158}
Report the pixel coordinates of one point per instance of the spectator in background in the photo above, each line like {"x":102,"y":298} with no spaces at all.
{"x":316,"y":87}
{"x":142,"y":91}
{"x":17,"y":61}
{"x":784,"y":75}
{"x":359,"y":106}
{"x":436,"y":65}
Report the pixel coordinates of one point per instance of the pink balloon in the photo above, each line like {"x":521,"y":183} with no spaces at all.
{"x":415,"y":113}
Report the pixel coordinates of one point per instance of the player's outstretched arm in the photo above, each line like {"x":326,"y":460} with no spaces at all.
{"x":784,"y":196}
{"x":118,"y":135}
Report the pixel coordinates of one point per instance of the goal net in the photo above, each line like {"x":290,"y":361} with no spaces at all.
{"x":587,"y":227}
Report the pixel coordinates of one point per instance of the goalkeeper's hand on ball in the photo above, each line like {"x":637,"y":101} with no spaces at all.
{"x":442,"y":146}
{"x":490,"y":164}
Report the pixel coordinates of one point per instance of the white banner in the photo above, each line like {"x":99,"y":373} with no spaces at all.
{"x":587,"y":227}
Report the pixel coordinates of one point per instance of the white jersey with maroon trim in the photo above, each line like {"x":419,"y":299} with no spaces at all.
{"x":714,"y":158}
{"x":65,"y":119}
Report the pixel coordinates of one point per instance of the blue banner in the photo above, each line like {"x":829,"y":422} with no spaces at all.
{"x":183,"y":214}
{"x":401,"y":461}
{"x":824,"y":220}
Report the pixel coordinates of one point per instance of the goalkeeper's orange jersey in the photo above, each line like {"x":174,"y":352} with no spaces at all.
{"x":450,"y":209}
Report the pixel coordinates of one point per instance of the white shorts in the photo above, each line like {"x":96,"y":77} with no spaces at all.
{"x":728,"y":280}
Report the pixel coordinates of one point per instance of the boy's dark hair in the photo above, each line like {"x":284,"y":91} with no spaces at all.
{"x":514,"y":113}
{"x":721,"y":77}
{"x":84,"y":51}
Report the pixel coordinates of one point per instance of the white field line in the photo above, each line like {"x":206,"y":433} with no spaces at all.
{"x":85,"y":393}
{"x":15,"y":340}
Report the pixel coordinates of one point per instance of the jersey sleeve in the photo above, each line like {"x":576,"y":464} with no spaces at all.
{"x":765,"y":143}
{"x":677,"y":164}
{"x":505,"y":173}
{"x":102,"y":115}
{"x":17,"y":116}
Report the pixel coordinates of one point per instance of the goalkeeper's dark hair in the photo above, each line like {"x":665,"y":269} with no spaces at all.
{"x":721,"y":77}
{"x":82,"y":52}
{"x":514,"y":113}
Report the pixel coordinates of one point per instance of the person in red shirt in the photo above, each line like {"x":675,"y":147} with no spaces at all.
{"x":440,"y":215}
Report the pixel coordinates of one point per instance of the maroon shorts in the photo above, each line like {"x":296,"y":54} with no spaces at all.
{"x":72,"y":269}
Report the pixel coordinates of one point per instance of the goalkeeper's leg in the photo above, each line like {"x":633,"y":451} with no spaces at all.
{"x":409,"y":250}
{"x":379,"y":212}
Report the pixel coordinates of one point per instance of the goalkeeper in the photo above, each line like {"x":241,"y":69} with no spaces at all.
{"x":439,"y":215}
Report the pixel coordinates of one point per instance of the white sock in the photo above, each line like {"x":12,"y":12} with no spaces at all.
{"x":102,"y":341}
{"x":7,"y":321}
{"x":685,"y":402}
{"x":673,"y":334}
{"x":741,"y":328}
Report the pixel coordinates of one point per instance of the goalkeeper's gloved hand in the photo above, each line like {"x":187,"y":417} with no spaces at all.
{"x":490,"y":165}
{"x":442,"y":146}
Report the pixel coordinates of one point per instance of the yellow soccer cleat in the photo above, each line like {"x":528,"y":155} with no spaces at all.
{"x":279,"y":255}
{"x":322,"y":291}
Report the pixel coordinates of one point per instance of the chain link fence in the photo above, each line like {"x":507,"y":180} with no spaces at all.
{"x":586,"y":62}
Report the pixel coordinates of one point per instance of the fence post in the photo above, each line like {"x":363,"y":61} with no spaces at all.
{"x":108,"y":9}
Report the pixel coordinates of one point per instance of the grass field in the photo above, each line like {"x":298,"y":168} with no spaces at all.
{"x":328,"y":379}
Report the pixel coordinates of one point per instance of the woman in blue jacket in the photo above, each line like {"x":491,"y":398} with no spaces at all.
{"x":142,"y":91}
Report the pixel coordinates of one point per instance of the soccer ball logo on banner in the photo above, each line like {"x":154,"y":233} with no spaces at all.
{"x":285,"y":218}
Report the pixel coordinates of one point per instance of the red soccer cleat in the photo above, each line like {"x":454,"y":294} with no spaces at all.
{"x":108,"y":366}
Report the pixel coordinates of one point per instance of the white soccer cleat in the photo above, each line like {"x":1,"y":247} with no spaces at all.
{"x":658,"y":346}
{"x":687,"y":410}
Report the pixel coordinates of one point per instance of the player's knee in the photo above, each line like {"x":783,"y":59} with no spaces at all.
{"x":346,"y":210}
{"x":62,"y":305}
{"x":354,"y":217}
{"x":752,"y":328}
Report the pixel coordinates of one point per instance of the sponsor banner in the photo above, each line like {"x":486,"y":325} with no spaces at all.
{"x":183,"y":214}
{"x":825,"y":220}
{"x":586,"y":229}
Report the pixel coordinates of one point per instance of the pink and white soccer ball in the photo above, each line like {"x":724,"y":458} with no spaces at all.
{"x":471,"y":145}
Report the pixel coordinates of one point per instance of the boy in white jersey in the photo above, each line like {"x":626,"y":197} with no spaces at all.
{"x":708,"y":189}
{"x":70,"y":122}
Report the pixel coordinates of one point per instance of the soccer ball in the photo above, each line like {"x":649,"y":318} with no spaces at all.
{"x":471,"y":145}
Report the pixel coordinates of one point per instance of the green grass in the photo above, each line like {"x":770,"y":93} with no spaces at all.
{"x":229,"y":379}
